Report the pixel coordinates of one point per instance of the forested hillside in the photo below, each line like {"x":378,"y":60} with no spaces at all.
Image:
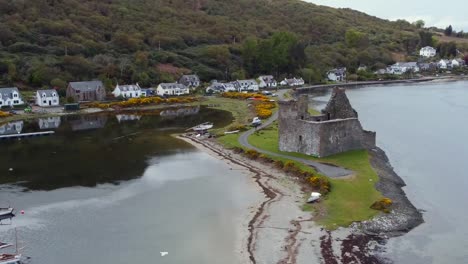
{"x":51,"y":42}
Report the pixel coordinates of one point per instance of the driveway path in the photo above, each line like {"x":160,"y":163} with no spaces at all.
{"x":325,"y":169}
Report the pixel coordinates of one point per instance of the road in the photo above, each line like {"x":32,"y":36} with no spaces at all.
{"x":325,"y":169}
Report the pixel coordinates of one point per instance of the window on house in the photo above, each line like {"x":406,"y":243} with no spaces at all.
{"x":44,"y":102}
{"x":300,"y":138}
{"x":1,"y":102}
{"x":15,"y":95}
{"x":15,"y":101}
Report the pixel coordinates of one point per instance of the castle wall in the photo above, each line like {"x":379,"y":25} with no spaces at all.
{"x":335,"y":131}
{"x":337,"y":136}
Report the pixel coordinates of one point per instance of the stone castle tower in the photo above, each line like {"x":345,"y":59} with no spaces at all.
{"x":335,"y":131}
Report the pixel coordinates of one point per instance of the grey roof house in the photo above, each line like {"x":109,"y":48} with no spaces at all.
{"x":191,"y":81}
{"x":10,"y":96}
{"x":86,"y":91}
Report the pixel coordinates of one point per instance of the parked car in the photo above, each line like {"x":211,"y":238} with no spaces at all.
{"x":274,"y":95}
{"x":266,"y":92}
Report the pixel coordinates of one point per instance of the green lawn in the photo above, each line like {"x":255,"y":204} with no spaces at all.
{"x":350,"y":199}
{"x":239,"y":109}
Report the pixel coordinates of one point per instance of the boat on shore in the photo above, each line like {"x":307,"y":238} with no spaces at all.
{"x":10,"y":258}
{"x":202,"y":127}
{"x":6,"y":211}
{"x":256,"y":121}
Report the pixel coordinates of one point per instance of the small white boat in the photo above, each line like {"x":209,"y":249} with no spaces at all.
{"x":314,"y":196}
{"x":10,"y":258}
{"x":231,"y":132}
{"x":6,"y":211}
{"x":203,"y":127}
{"x":5,"y":245}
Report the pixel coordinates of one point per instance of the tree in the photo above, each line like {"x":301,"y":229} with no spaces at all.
{"x":419,"y":23}
{"x":356,"y":39}
{"x":448,"y":31}
{"x":425,"y":39}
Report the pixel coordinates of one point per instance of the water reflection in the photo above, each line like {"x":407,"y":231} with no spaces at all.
{"x":49,"y":122}
{"x":106,"y":150}
{"x":124,"y":118}
{"x":87,"y":122}
{"x":11,"y":128}
{"x":181,"y":111}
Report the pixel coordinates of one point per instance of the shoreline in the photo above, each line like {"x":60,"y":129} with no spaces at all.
{"x":280,"y":231}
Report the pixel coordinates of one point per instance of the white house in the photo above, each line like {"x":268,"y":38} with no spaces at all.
{"x":267,"y":81}
{"x":455,"y":63}
{"x":47,"y":98}
{"x":127,"y":91}
{"x":246,"y":85}
{"x":292,"y":82}
{"x":172,"y":89}
{"x":427,"y":52}
{"x":10,"y":96}
{"x":403,"y":67}
{"x":444,"y":64}
{"x":337,"y":75}
{"x":49,"y":122}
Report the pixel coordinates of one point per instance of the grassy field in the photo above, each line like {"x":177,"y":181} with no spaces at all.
{"x":350,"y":199}
{"x":239,"y":108}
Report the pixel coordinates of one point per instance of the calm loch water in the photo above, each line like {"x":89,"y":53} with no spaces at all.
{"x":119,"y":189}
{"x":423,"y":129}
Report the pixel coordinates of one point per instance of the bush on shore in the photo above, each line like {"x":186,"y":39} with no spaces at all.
{"x":383,"y":205}
{"x":4,"y":114}
{"x":133,"y":102}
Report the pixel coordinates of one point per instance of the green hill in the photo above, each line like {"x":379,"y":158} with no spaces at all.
{"x":51,"y":42}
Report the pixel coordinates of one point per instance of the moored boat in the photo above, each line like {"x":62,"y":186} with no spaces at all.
{"x":10,"y":258}
{"x":203,"y":127}
{"x":6,"y":211}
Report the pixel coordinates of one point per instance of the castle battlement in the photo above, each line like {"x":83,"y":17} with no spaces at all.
{"x":336,"y":130}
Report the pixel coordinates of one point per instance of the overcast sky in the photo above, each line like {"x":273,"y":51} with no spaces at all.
{"x":434,"y":13}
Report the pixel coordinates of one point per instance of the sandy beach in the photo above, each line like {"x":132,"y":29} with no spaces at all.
{"x":277,"y":230}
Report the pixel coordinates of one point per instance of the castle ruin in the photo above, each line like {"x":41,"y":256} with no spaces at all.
{"x":335,"y":131}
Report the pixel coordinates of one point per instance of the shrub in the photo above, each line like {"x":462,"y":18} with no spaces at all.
{"x":252,"y":154}
{"x":4,"y":114}
{"x":265,"y":158}
{"x":320,"y":184}
{"x":383,"y":205}
{"x":238,"y":150}
{"x":237,"y":95}
{"x":237,"y":127}
{"x":279,"y":164}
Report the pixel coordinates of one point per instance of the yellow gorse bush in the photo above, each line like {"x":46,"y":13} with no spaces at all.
{"x":133,"y":102}
{"x":4,"y":114}
{"x":236,"y":95}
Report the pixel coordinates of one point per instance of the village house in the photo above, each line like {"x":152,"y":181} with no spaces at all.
{"x":424,"y":66}
{"x":127,"y":91}
{"x":10,"y":96}
{"x":191,"y":81}
{"x":49,"y":122}
{"x":403,"y":67}
{"x":427,"y":52}
{"x":216,"y":87}
{"x":292,"y":82}
{"x":229,"y":87}
{"x":246,"y":85}
{"x":48,"y":97}
{"x":444,"y":64}
{"x":337,"y":75}
{"x":267,"y":81}
{"x":455,"y":63}
{"x":166,"y":89}
{"x":86,"y":91}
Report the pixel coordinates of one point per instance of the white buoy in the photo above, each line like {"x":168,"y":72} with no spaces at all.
{"x":164,"y":253}
{"x":11,"y":169}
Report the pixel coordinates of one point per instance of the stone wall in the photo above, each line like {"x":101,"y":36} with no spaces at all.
{"x":337,"y":130}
